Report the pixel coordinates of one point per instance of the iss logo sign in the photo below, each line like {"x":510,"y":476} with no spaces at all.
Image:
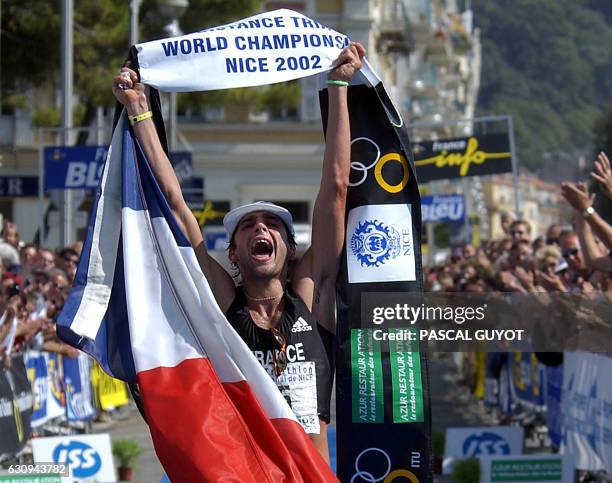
{"x":88,"y":456}
{"x":381,"y":247}
{"x":483,"y":441}
{"x":82,"y":458}
{"x":485,"y":444}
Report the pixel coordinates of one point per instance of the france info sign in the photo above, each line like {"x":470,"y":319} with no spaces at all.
{"x":477,"y":155}
{"x":543,"y":468}
{"x":88,"y":456}
{"x":476,"y":442}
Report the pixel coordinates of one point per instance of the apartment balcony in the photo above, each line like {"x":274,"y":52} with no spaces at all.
{"x":394,"y":35}
{"x":420,"y":16}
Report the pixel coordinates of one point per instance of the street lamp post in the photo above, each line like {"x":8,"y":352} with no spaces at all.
{"x":67,"y":76}
{"x":134,"y":9}
{"x":173,"y":9}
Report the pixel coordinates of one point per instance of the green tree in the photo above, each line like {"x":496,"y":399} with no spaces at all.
{"x":30,"y":54}
{"x":603,"y":132}
{"x":549,"y":65}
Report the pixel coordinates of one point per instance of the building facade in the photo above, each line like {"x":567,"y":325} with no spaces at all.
{"x":426,"y":51}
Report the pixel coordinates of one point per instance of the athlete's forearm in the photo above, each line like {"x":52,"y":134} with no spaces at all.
{"x":146,"y":133}
{"x":336,"y":161}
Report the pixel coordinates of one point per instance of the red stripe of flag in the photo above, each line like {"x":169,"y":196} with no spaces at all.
{"x":205,"y":430}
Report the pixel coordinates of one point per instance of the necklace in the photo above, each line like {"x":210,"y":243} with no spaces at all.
{"x":263,"y":299}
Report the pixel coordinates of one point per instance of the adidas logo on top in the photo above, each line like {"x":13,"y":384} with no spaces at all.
{"x":300,"y":325}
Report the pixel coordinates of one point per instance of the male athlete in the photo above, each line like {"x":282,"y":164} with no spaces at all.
{"x":287,"y":319}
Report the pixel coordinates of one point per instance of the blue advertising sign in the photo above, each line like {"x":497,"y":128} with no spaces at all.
{"x":80,"y":167}
{"x":554,"y":391}
{"x":73,"y":167}
{"x":443,"y":208}
{"x":36,"y":366}
{"x":77,"y":383}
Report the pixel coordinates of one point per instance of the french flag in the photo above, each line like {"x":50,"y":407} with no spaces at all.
{"x":142,"y":307}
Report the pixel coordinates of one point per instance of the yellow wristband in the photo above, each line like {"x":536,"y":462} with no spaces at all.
{"x":140,"y":117}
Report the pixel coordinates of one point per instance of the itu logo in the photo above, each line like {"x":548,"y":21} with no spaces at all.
{"x":485,"y":443}
{"x":374,"y":243}
{"x":373,"y":465}
{"x":82,"y":458}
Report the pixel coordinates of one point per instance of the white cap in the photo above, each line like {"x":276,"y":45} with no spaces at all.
{"x":232,"y":218}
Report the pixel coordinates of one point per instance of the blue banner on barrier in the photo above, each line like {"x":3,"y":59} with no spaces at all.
{"x":528,"y":379}
{"x":554,"y":389}
{"x":73,"y":167}
{"x":586,"y":406}
{"x":443,"y":208}
{"x":77,"y":381}
{"x":36,"y":366}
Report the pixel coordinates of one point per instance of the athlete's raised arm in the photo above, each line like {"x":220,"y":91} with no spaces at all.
{"x":133,"y":95}
{"x":314,"y":278}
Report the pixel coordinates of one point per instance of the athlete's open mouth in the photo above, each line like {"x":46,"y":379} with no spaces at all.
{"x":261,"y":249}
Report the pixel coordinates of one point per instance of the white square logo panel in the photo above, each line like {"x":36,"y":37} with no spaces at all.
{"x":379,"y":244}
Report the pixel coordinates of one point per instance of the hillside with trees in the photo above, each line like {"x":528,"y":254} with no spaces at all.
{"x":549,"y":65}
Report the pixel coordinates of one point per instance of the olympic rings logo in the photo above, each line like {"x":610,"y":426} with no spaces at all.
{"x":387,"y":477}
{"x":378,"y":165}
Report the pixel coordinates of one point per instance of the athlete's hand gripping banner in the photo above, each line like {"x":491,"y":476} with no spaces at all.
{"x":382,"y":387}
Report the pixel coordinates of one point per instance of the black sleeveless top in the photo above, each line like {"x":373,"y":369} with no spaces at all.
{"x":306,"y":382}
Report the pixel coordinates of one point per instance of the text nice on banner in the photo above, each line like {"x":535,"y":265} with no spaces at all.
{"x":382,"y":387}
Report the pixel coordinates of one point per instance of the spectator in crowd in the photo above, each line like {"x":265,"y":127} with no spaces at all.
{"x":9,"y":256}
{"x":67,"y":261}
{"x":10,"y":235}
{"x":520,"y":230}
{"x":506,"y":221}
{"x":538,"y":243}
{"x":553,"y":232}
{"x":29,"y":257}
{"x":572,"y":251}
{"x":46,"y":259}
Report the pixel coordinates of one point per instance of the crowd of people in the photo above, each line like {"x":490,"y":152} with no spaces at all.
{"x":35,"y":284}
{"x":566,"y":258}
